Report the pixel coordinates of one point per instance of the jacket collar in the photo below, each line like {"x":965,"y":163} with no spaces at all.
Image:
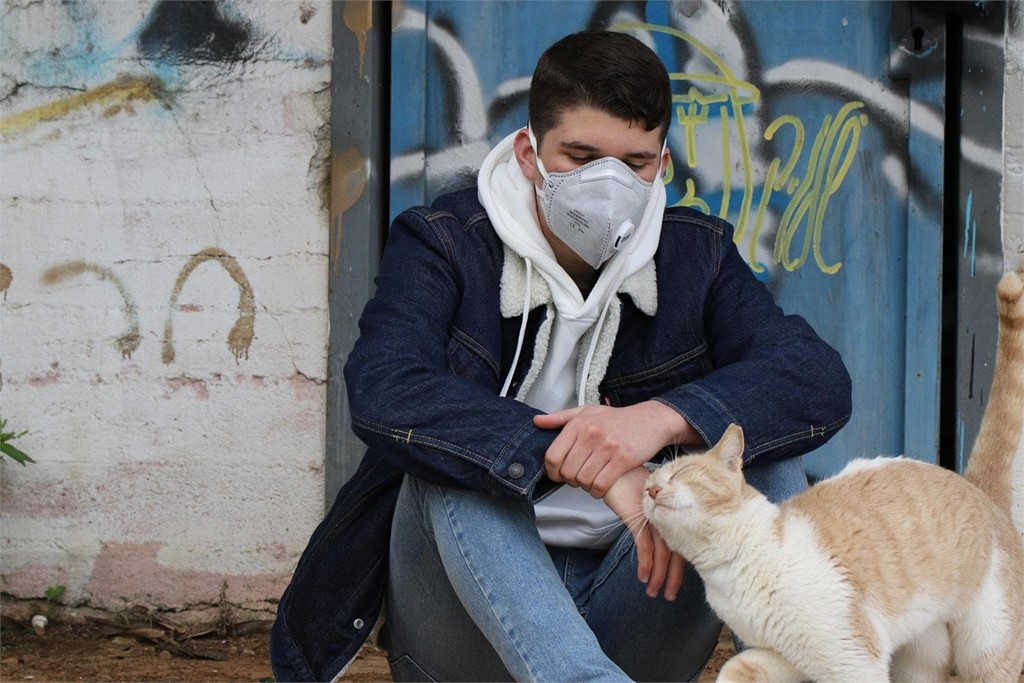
{"x":641,"y":287}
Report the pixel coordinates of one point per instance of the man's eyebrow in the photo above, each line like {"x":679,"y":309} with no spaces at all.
{"x":576,"y":146}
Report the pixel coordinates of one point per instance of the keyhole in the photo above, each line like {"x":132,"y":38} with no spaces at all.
{"x":918,"y":34}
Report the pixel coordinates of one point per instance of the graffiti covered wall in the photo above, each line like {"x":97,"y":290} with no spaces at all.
{"x":817,"y":129}
{"x":163,"y":313}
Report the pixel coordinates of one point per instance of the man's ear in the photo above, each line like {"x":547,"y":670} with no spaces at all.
{"x":666,"y":159}
{"x":525,"y":155}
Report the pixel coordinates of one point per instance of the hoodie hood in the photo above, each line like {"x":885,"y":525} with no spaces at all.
{"x":573,"y":346}
{"x":510,"y":201}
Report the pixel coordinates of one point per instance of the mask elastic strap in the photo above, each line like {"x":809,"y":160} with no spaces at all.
{"x":536,"y":153}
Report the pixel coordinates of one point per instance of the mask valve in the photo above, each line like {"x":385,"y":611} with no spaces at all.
{"x":624,"y":232}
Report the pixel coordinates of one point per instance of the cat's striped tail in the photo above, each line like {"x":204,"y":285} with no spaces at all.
{"x":996,"y":465}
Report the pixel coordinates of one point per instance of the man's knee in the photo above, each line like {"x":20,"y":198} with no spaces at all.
{"x":443,"y":509}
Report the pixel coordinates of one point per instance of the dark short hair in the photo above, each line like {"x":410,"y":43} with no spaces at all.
{"x":612,"y":72}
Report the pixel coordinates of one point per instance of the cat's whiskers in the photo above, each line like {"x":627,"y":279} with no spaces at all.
{"x":636,"y":522}
{"x":633,"y":518}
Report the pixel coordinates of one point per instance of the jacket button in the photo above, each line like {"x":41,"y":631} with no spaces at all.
{"x":515,"y":470}
{"x":358,"y":624}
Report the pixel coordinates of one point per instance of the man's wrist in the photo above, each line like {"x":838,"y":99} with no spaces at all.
{"x":631,"y":481}
{"x":676,"y":428}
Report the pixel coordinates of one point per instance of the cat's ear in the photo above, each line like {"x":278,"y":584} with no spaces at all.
{"x":730,"y":448}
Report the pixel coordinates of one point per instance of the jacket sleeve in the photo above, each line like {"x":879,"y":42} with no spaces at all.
{"x":406,"y":404}
{"x":773,"y":375}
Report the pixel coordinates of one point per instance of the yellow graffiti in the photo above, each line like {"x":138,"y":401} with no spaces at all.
{"x":828,"y":164}
{"x":831,"y":155}
{"x":689,"y":117}
{"x":127,"y":342}
{"x":6,"y":278}
{"x":123,"y":90}
{"x":349,"y":177}
{"x":242,"y":332}
{"x":358,"y":18}
{"x":775,"y":179}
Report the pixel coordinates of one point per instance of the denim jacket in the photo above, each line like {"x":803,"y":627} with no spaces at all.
{"x":424,"y":377}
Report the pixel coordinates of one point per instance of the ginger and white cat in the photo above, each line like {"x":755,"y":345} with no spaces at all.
{"x":892,"y":568}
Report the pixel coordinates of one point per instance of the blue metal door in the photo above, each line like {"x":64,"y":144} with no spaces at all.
{"x":817,"y":129}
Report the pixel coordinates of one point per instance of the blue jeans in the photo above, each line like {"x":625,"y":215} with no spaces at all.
{"x":473,"y":594}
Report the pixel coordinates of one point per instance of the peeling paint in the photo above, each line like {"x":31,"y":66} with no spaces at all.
{"x":198,"y":387}
{"x":48,"y":379}
{"x":306,"y":12}
{"x":349,"y":176}
{"x":319,"y":173}
{"x":123,"y":90}
{"x":127,"y":342}
{"x":257,"y":381}
{"x":31,"y":580}
{"x":43,"y":498}
{"x":242,"y":332}
{"x":133,"y":572}
{"x":307,"y":388}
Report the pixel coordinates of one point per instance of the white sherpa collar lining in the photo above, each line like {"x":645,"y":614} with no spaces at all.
{"x":641,"y":287}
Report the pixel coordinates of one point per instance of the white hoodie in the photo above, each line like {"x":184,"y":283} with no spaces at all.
{"x":575,"y":342}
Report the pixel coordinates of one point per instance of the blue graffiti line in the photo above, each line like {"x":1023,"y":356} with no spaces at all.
{"x":967,"y":221}
{"x":974,"y":243}
{"x":970,"y":232}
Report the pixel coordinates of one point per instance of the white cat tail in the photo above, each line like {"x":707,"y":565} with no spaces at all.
{"x":996,"y":465}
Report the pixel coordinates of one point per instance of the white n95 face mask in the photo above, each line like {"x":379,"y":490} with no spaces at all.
{"x":595,"y":208}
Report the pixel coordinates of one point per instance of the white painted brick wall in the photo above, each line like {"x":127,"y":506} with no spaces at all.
{"x":155,"y":482}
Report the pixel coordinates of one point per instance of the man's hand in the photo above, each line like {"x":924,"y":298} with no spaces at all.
{"x":657,"y":566}
{"x":598,"y":444}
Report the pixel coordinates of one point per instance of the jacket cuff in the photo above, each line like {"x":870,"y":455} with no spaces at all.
{"x":519,"y":467}
{"x":708,"y":417}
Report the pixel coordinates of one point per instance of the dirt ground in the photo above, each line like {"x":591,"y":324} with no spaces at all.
{"x":105,"y":652}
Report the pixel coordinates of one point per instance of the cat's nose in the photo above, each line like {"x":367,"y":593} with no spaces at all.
{"x":653,"y":492}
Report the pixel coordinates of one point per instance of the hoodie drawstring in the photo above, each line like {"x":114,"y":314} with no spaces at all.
{"x":522,"y":330}
{"x":585,"y":373}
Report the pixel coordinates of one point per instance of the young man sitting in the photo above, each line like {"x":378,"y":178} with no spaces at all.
{"x":533,"y":346}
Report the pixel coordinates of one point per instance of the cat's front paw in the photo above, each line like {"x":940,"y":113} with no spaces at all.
{"x":759,"y":665}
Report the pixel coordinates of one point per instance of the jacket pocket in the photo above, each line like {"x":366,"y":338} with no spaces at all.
{"x":468,"y":358}
{"x":645,"y":384}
